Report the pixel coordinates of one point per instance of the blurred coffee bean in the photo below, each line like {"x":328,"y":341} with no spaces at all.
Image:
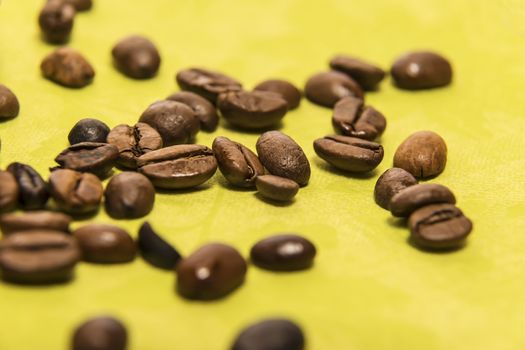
{"x":367,"y":75}
{"x":276,"y":188}
{"x":327,"y":88}
{"x":291,"y":94}
{"x":100,"y":333}
{"x":32,"y":189}
{"x":67,"y":67}
{"x":74,"y":192}
{"x":56,"y":21}
{"x":129,"y":195}
{"x":35,"y":220}
{"x":390,"y":183}
{"x":105,"y":244}
{"x":81,"y":5}
{"x":270,"y":334}
{"x":156,"y":250}
{"x":9,"y":192}
{"x":283,"y":252}
{"x":203,"y":109}
{"x":137,"y":57}
{"x":206,"y":83}
{"x":92,"y":157}
{"x":88,"y":130}
{"x":9,"y":105}
{"x":421,"y":70}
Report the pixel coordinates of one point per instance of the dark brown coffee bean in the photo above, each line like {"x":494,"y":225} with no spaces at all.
{"x":206,"y":83}
{"x":129,"y":195}
{"x":56,"y":21}
{"x":74,"y":192}
{"x":237,"y":163}
{"x":81,"y":5}
{"x":105,"y":244}
{"x":423,"y":154}
{"x":9,"y":106}
{"x":367,"y":75}
{"x":203,"y":109}
{"x":283,"y":157}
{"x":283,"y":252}
{"x":38,"y":257}
{"x":92,"y":157}
{"x":390,"y":183}
{"x":100,"y":333}
{"x":439,"y":226}
{"x":9,"y":192}
{"x":156,"y":250}
{"x":33,"y":193}
{"x":414,"y":197}
{"x":179,"y":166}
{"x":421,"y":70}
{"x":88,"y":130}
{"x":137,"y":57}
{"x":287,"y":90}
{"x":327,"y":88}
{"x":34,"y":220}
{"x":211,"y":272}
{"x":271,"y":334}
{"x":67,"y":67}
{"x":276,"y":188}
{"x":349,"y":153}
{"x":134,"y":141}
{"x":352,"y":118}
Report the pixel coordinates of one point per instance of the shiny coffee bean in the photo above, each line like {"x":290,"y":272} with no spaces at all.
{"x":352,"y":118}
{"x":421,"y":70}
{"x":287,"y":90}
{"x":88,"y":130}
{"x":414,"y":197}
{"x":67,"y":67}
{"x":283,"y":157}
{"x":206,"y":83}
{"x":9,"y":192}
{"x":56,"y":21}
{"x":283,"y":252}
{"x":105,"y":244}
{"x":423,"y":154}
{"x":34,"y":220}
{"x":203,"y":109}
{"x":390,"y":183}
{"x":270,"y":334}
{"x":92,"y":157}
{"x":327,"y":88}
{"x":74,"y":192}
{"x":81,"y":5}
{"x":367,"y":75}
{"x":100,"y":333}
{"x":32,"y":189}
{"x":349,"y":153}
{"x":129,"y":195}
{"x":137,"y":57}
{"x":276,"y":188}
{"x":9,"y":105}
{"x":155,"y":250}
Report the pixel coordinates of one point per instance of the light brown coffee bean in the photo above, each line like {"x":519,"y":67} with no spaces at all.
{"x":105,"y":244}
{"x":129,"y":195}
{"x":34,"y":220}
{"x":276,"y":188}
{"x":414,"y":197}
{"x":9,"y":105}
{"x":67,"y":67}
{"x":74,"y":192}
{"x":390,"y":183}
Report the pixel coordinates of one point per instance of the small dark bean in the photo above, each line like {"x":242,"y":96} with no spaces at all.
{"x":92,"y":157}
{"x":276,"y":188}
{"x":421,"y":70}
{"x":100,"y":333}
{"x":283,"y":252}
{"x":367,"y":75}
{"x":33,"y":193}
{"x":203,"y":109}
{"x":34,"y":220}
{"x":56,"y":21}
{"x":155,"y":250}
{"x":271,"y":334}
{"x":414,"y":197}
{"x":105,"y":244}
{"x":129,"y":195}
{"x":9,"y":192}
{"x":327,"y":88}
{"x":67,"y":67}
{"x":81,"y":5}
{"x":352,"y":118}
{"x":9,"y":105}
{"x":390,"y":183}
{"x":74,"y":192}
{"x":137,"y":57}
{"x":88,"y":130}
{"x":287,"y":90}
{"x":206,"y":83}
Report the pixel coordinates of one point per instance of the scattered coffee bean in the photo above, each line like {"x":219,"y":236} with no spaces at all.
{"x":211,"y":272}
{"x":33,"y":193}
{"x":179,"y":166}
{"x":283,"y":157}
{"x":423,"y":154}
{"x":134,"y":141}
{"x":100,"y":333}
{"x":414,"y":197}
{"x":56,"y":21}
{"x":129,"y":195}
{"x":421,"y":70}
{"x":137,"y":57}
{"x":81,"y":5}
{"x":88,"y":130}
{"x":349,"y":153}
{"x":352,"y":118}
{"x":105,"y":244}
{"x":287,"y":90}
{"x":390,"y":183}
{"x":276,"y":188}
{"x":203,"y":109}
{"x":156,"y":250}
{"x":34,"y":220}
{"x":67,"y":67}
{"x":271,"y":334}
{"x":327,"y":88}
{"x":74,"y":192}
{"x":206,"y":83}
{"x":92,"y":157}
{"x":284,"y":252}
{"x":9,"y":192}
{"x":9,"y":106}
{"x":367,"y":75}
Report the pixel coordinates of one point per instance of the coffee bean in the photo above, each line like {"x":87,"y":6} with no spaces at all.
{"x":439,"y":226}
{"x":105,"y":244}
{"x":276,"y":188}
{"x":390,"y":183}
{"x":38,"y":257}
{"x":270,"y":334}
{"x":421,"y":70}
{"x":9,"y":105}
{"x":179,"y":166}
{"x":56,"y":21}
{"x":92,"y":157}
{"x":34,"y":220}
{"x":414,"y":197}
{"x":283,"y":157}
{"x":88,"y":130}
{"x":211,"y":272}
{"x":423,"y":154}
{"x":283,"y":252}
{"x":33,"y":193}
{"x":9,"y":192}
{"x":367,"y":75}
{"x":176,"y":122}
{"x":349,"y":153}
{"x":67,"y":67}
{"x":206,"y":83}
{"x":137,"y":57}
{"x":239,"y":165}
{"x":134,"y":141}
{"x":203,"y":109}
{"x":81,"y":5}
{"x":74,"y":192}
{"x":252,"y":110}
{"x":327,"y":88}
{"x":100,"y":333}
{"x":155,"y":250}
{"x":352,"y":118}
{"x":129,"y":195}
{"x":287,"y":90}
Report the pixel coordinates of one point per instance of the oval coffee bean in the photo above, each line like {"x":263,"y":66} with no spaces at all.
{"x":276,"y":188}
{"x":327,"y":88}
{"x":81,"y":5}
{"x":423,"y":154}
{"x":284,"y":252}
{"x":88,"y":130}
{"x":421,"y":70}
{"x":179,"y":166}
{"x":74,"y":192}
{"x":352,"y":118}
{"x":67,"y":67}
{"x":9,"y":192}
{"x":271,"y":334}
{"x":56,"y":21}
{"x":9,"y":105}
{"x":414,"y":197}
{"x":206,"y":83}
{"x":105,"y":244}
{"x":390,"y":183}
{"x":283,"y":157}
{"x":34,"y":220}
{"x":156,"y":250}
{"x":203,"y":109}
{"x":33,"y":193}
{"x":137,"y":57}
{"x":349,"y":153}
{"x":287,"y":90}
{"x":129,"y":195}
{"x":92,"y":157}
{"x":439,"y":226}
{"x":100,"y":333}
{"x":367,"y":75}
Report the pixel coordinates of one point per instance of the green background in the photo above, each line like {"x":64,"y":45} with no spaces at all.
{"x":369,"y":289}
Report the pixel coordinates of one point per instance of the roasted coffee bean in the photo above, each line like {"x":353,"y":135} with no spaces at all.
{"x":237,"y":163}
{"x":206,"y":83}
{"x":203,"y":109}
{"x":134,"y":141}
{"x":56,"y":21}
{"x":390,"y":183}
{"x":211,"y":272}
{"x":100,"y":333}
{"x":349,"y":153}
{"x":9,"y":106}
{"x":276,"y":188}
{"x":283,"y":252}
{"x":283,"y":157}
{"x":129,"y":195}
{"x":9,"y":192}
{"x":421,"y":70}
{"x":423,"y":154}
{"x":91,"y":157}
{"x":352,"y":118}
{"x":252,"y":110}
{"x":33,"y":193}
{"x":74,"y":192}
{"x":287,"y":90}
{"x":367,"y":75}
{"x":105,"y":244}
{"x":414,"y":197}
{"x":81,"y":5}
{"x":34,"y":220}
{"x":439,"y":226}
{"x":38,"y":257}
{"x":179,"y":166}
{"x":176,"y":122}
{"x":156,"y":250}
{"x":88,"y":130}
{"x":271,"y":334}
{"x":137,"y":57}
{"x":327,"y":88}
{"x":67,"y":67}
